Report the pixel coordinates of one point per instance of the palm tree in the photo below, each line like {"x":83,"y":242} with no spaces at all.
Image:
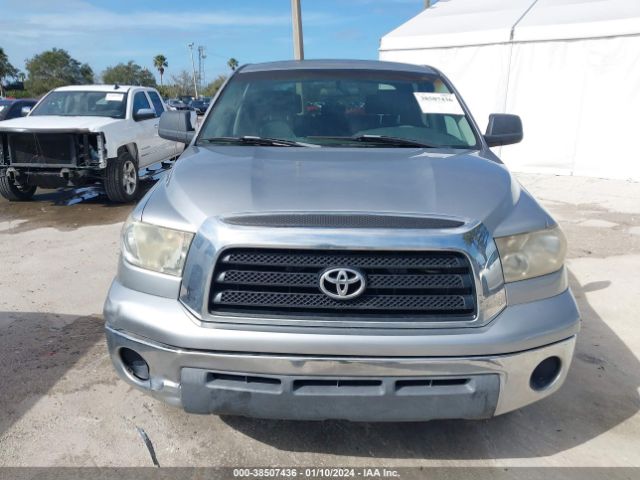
{"x":233,"y":63}
{"x":160,"y":63}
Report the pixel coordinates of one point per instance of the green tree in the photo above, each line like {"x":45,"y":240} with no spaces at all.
{"x":19,"y":94}
{"x":166,"y":91}
{"x":233,"y":63}
{"x":129,"y":73}
{"x":6,"y":70}
{"x":160,"y":63}
{"x":213,"y":87}
{"x":182,"y":83}
{"x":54,"y":68}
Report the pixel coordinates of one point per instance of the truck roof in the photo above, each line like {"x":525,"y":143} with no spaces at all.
{"x":99,"y":88}
{"x":337,"y":64}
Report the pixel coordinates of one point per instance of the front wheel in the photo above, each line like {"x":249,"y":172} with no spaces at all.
{"x":121,"y":180}
{"x":15,"y":191}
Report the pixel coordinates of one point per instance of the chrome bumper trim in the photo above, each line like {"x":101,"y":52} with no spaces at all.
{"x":514,"y":369}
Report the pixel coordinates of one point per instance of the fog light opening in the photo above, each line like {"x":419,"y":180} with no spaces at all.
{"x":545,"y":373}
{"x":134,"y":364}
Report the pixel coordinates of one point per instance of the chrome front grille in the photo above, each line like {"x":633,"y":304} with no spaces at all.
{"x":399,"y":285}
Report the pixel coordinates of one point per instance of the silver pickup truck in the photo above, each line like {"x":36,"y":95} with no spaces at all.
{"x":338,"y":242}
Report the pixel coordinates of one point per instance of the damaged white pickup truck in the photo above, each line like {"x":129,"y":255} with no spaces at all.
{"x":82,"y":135}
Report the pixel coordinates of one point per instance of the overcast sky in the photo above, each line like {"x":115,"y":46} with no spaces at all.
{"x":104,"y":33}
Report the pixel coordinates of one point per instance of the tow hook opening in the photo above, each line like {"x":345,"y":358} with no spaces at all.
{"x":134,"y":364}
{"x":545,"y":373}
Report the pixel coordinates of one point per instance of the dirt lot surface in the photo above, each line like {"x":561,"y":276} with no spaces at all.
{"x":61,"y":403}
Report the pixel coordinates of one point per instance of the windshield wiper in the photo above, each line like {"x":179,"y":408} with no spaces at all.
{"x":253,"y":140}
{"x":383,"y":139}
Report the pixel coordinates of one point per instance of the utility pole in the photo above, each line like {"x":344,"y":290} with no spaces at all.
{"x":193,"y":66}
{"x":427,"y":3}
{"x":296,"y":20}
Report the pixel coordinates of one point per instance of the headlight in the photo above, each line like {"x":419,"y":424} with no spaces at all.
{"x":155,"y":248}
{"x":532,"y":254}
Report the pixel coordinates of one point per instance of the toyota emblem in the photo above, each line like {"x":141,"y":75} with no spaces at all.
{"x":342,"y":283}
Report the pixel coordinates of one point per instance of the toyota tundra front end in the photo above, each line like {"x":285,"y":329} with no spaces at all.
{"x":338,"y":242}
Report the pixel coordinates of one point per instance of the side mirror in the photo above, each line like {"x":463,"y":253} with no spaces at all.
{"x":144,"y":114}
{"x":503,"y":129}
{"x":176,"y":126}
{"x":25,"y":111}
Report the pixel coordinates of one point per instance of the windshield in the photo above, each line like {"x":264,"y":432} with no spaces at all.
{"x":83,"y":104}
{"x":340,"y":108}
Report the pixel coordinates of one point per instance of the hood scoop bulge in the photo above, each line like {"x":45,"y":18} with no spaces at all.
{"x":340,"y":220}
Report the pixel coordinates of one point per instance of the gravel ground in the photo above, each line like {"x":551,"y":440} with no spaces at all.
{"x":62,"y":404}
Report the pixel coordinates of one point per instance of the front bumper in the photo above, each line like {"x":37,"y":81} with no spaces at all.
{"x":352,"y":388}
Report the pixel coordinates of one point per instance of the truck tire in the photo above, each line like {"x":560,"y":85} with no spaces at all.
{"x":15,"y":192}
{"x":121,"y":180}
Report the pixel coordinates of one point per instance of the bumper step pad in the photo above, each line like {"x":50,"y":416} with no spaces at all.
{"x":355,"y":398}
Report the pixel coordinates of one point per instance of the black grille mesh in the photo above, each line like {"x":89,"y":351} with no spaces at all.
{"x":252,"y":277}
{"x":311,"y":300}
{"x":362,"y":260}
{"x":400,"y":285}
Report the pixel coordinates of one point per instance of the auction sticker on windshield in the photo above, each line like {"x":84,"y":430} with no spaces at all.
{"x":114,"y":97}
{"x":443,"y":103}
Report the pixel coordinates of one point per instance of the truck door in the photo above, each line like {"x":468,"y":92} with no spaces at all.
{"x":169,"y":149}
{"x":147,"y":138}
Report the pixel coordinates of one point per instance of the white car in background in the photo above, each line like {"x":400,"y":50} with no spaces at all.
{"x":82,"y":135}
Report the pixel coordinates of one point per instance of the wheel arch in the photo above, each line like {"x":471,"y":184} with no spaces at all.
{"x":132,"y":148}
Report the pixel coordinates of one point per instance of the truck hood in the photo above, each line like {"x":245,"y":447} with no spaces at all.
{"x":218,"y":181}
{"x":55,"y":123}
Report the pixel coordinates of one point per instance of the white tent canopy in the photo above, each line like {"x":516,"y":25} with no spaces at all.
{"x":569,"y":68}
